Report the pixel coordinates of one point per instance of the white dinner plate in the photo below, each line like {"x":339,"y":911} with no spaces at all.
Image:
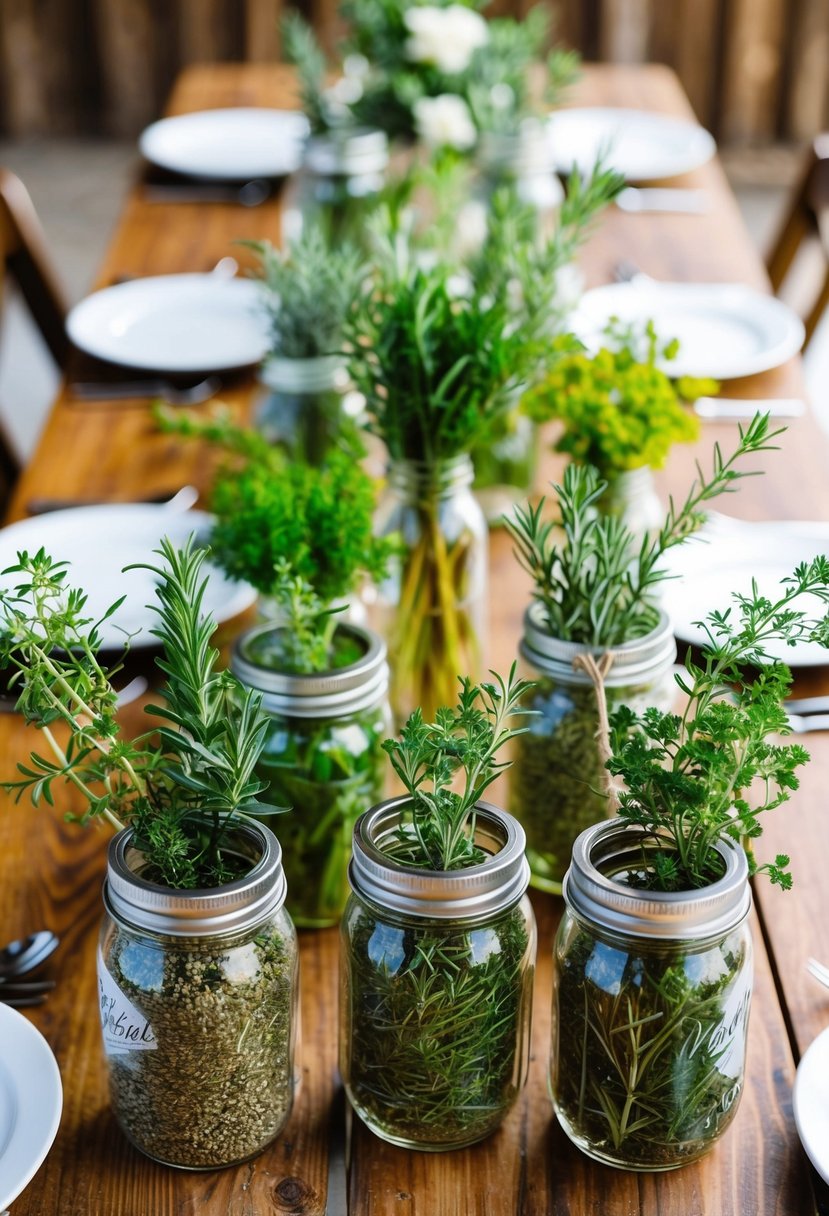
{"x":640,"y":145}
{"x":228,"y":145}
{"x":31,"y":1100}
{"x":173,"y":323}
{"x":811,"y":1103}
{"x":724,"y":558}
{"x":99,"y":541}
{"x":725,"y":330}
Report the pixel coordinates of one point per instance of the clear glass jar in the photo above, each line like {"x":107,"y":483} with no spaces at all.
{"x":302,"y":410}
{"x":342,"y":173}
{"x":556,"y":782}
{"x":432,"y":606}
{"x":524,"y":161}
{"x":651,"y":997}
{"x":631,"y":496}
{"x":323,"y":757}
{"x":198,"y":1004}
{"x":505,"y":466}
{"x":436,"y":985}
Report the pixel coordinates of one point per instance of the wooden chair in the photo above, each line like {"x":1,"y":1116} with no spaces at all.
{"x":24,"y":259}
{"x":808,"y":214}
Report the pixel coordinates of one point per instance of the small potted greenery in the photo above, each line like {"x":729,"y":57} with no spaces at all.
{"x":438,"y":939}
{"x":197,"y":956}
{"x":621,"y":413}
{"x":653,"y":958}
{"x":595,"y":597}
{"x":438,"y":360}
{"x":307,"y":289}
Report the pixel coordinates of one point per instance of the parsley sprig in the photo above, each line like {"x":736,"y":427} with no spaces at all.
{"x":447,"y":765}
{"x":180,"y":787}
{"x":713,"y":770}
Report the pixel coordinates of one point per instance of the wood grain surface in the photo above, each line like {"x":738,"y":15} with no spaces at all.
{"x":50,"y":871}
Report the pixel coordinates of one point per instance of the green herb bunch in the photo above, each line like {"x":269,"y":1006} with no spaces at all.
{"x":458,"y":749}
{"x":710,"y":772}
{"x":595,"y":584}
{"x":302,"y":49}
{"x":182,"y":787}
{"x":619,"y":411}
{"x":308,"y":289}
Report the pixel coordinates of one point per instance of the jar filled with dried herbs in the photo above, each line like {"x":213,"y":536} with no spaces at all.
{"x":651,"y":1001}
{"x":437,"y":973}
{"x":322,"y":757}
{"x":198,"y":1002}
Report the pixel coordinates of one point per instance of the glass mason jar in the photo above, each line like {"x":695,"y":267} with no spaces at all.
{"x":198,"y":1004}
{"x":302,"y":410}
{"x":432,"y":606}
{"x":524,"y":161}
{"x":323,"y":757}
{"x":436,"y":985}
{"x":632,"y":497}
{"x":651,"y":996}
{"x":556,"y":782}
{"x":505,"y":466}
{"x":342,"y":173}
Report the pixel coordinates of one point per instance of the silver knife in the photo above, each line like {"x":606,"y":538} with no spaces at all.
{"x":738,"y":409}
{"x":803,"y":724}
{"x":661,"y":198}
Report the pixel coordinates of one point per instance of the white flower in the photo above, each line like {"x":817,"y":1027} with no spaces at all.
{"x":445,"y":37}
{"x":445,"y":122}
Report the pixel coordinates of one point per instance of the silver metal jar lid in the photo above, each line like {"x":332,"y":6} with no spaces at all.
{"x":324,"y":694}
{"x":634,"y":662}
{"x":317,"y":375}
{"x":614,"y":847}
{"x":471,"y":894}
{"x":348,"y":152}
{"x":218,"y":911}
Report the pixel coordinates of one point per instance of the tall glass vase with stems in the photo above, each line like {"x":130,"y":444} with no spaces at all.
{"x":432,"y":605}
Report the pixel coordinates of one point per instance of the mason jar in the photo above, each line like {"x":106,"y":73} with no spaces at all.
{"x":651,"y":997}
{"x":342,"y":173}
{"x":198,"y":1006}
{"x":505,"y":466}
{"x":323,"y":756}
{"x":524,"y":161}
{"x":301,"y":411}
{"x":436,"y":984}
{"x":556,"y":788}
{"x":432,"y":606}
{"x":631,"y":496}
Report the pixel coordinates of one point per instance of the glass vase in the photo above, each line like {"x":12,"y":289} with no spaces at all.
{"x":651,"y":997}
{"x":436,"y":985}
{"x":342,"y":173}
{"x":198,"y":1005}
{"x":323,"y":758}
{"x":432,"y":606}
{"x":301,"y":410}
{"x":631,"y":496}
{"x":556,"y":783}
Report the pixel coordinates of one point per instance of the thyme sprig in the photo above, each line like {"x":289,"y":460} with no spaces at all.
{"x":595,"y":582}
{"x":461,"y":745}
{"x":688,"y":776}
{"x":180,"y":787}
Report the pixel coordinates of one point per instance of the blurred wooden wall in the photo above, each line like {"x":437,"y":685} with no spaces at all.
{"x":757,"y":71}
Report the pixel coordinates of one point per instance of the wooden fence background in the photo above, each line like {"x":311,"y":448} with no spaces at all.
{"x":757,"y":71}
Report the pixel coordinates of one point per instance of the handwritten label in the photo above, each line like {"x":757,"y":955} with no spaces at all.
{"x":125,"y":1027}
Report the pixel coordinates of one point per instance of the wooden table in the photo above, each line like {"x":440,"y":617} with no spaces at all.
{"x":50,"y":871}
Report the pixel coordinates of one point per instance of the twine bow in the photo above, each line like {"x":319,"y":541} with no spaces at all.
{"x":597,"y":672}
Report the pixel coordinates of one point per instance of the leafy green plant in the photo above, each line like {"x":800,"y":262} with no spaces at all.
{"x":429,"y":758}
{"x":308,"y":289}
{"x":436,"y":1011}
{"x":619,"y":411}
{"x":181,"y":787}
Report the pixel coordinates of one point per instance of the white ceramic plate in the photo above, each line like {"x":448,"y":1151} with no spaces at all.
{"x":725,"y":558}
{"x":725,"y":330}
{"x":811,"y":1103}
{"x":31,"y":1100}
{"x":99,"y":541}
{"x":640,"y":145}
{"x":228,"y":145}
{"x":173,"y":323}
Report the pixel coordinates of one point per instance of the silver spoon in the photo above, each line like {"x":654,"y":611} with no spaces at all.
{"x":27,"y":953}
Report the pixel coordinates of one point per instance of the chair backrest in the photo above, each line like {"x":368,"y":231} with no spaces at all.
{"x":808,"y":213}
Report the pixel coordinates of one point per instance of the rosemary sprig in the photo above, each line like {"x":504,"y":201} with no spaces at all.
{"x":182,"y":786}
{"x":461,"y":745}
{"x":595,"y":584}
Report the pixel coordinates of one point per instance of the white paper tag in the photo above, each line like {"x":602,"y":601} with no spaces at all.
{"x":125,"y":1028}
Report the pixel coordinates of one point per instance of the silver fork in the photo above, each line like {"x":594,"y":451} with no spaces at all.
{"x":819,"y":971}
